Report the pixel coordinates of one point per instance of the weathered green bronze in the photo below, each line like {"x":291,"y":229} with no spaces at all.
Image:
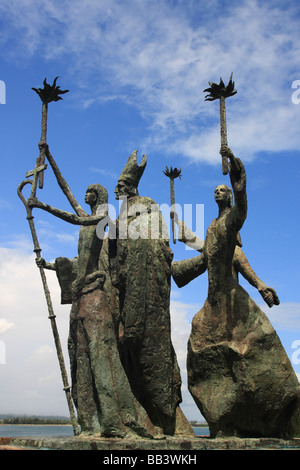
{"x":238,"y":371}
{"x":172,"y":174}
{"x":126,"y":381}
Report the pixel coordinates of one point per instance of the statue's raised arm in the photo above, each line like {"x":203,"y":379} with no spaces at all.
{"x":67,"y":216}
{"x":62,"y":182}
{"x":238,"y":182}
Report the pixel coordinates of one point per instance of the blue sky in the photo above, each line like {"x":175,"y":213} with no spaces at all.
{"x":136,"y":71}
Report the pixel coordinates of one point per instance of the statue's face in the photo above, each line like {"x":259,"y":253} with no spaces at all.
{"x":222,"y":194}
{"x":90,"y":197}
{"x":120,"y":189}
{"x":124,"y":189}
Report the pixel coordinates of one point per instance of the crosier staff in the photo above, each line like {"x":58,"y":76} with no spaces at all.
{"x":47,"y":94}
{"x":221,"y":92}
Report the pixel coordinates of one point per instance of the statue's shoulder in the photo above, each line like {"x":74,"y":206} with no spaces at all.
{"x":143,"y":200}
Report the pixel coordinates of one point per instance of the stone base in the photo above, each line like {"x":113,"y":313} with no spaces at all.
{"x":185,"y":446}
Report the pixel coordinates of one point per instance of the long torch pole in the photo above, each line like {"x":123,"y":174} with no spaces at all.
{"x":221,"y":92}
{"x":223,"y":132}
{"x":43,"y":139}
{"x":172,"y":174}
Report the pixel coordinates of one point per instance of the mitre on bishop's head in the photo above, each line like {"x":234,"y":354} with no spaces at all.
{"x":132,"y":172}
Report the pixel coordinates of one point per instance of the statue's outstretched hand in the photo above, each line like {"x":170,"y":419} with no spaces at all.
{"x":174,"y":215}
{"x":43,"y":146}
{"x":181,"y":225}
{"x":32,"y":202}
{"x":40,"y":262}
{"x":270,"y":296}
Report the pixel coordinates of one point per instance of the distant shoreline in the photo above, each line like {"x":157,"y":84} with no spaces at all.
{"x":33,"y":424}
{"x":201,"y":425}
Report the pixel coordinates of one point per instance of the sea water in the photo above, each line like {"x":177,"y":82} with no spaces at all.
{"x":36,"y":430}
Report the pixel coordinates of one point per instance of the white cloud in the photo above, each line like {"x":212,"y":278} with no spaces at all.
{"x":5,"y":205}
{"x":41,"y":351}
{"x":158,"y":57}
{"x":180,"y":332}
{"x":49,"y":235}
{"x":111,"y":174}
{"x":30,"y":376}
{"x":285,"y":316}
{"x":5,"y":325}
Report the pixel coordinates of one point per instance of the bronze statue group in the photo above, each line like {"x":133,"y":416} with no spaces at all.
{"x":125,"y":376}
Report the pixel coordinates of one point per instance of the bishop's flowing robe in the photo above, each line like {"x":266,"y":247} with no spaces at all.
{"x":141,"y":264}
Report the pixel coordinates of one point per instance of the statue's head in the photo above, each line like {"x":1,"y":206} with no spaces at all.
{"x":223,"y":195}
{"x":130,"y":176}
{"x":96,"y":195}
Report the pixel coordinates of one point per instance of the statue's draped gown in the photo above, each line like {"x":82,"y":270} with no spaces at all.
{"x":100,"y":388}
{"x":238,"y":372}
